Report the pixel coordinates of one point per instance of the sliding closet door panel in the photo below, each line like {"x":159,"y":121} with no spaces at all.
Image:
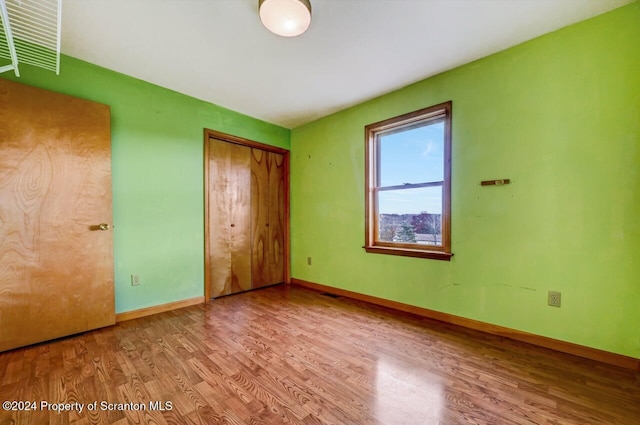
{"x":276,"y":218}
{"x":229,"y":218}
{"x":267,"y":212}
{"x":56,"y":265}
{"x":260,"y":217}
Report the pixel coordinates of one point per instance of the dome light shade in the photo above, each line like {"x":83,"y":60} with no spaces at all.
{"x":287,"y":18}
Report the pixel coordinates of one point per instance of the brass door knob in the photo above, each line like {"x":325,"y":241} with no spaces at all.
{"x":103,"y":226}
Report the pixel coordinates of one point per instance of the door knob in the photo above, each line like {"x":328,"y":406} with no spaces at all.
{"x":103,"y":226}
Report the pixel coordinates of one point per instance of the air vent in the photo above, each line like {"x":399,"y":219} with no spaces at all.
{"x":30,"y":34}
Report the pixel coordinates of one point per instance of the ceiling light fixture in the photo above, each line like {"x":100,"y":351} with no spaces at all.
{"x":287,"y":18}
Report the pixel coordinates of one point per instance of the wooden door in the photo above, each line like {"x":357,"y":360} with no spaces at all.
{"x":56,"y":265}
{"x":277,"y":209}
{"x":246,"y":214}
{"x":268,"y":217}
{"x":229,"y":218}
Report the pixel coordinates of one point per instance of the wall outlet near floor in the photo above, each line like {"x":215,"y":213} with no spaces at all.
{"x":308,"y":261}
{"x":135,"y":280}
{"x":554,"y":299}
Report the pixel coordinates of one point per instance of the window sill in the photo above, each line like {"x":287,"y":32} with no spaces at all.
{"x":407,"y":252}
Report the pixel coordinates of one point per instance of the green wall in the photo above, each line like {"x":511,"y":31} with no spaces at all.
{"x":157,"y":159}
{"x":560,"y":117}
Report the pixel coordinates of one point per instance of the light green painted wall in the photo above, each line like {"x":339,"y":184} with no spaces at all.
{"x":157,"y":159}
{"x":560,"y":116}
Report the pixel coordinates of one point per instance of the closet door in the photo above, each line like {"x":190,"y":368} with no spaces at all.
{"x":268,"y":218}
{"x":56,"y":243}
{"x":246,"y":210}
{"x":229,"y":215}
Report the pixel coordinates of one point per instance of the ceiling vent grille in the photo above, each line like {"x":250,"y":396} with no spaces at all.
{"x":30,"y":34}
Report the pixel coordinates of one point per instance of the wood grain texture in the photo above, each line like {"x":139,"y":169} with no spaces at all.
{"x":229,"y":218}
{"x":56,"y":273}
{"x":259,"y":217}
{"x":287,"y":219}
{"x":541,"y":341}
{"x":277,"y":213}
{"x":268,"y":218}
{"x":289,"y":355}
{"x":268,"y":209}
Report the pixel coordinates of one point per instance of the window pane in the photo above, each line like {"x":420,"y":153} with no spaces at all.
{"x":411,"y":216}
{"x":412,"y":156}
{"x":408,"y":182}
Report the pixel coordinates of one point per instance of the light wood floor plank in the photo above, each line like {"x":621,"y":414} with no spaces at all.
{"x":290,"y":355}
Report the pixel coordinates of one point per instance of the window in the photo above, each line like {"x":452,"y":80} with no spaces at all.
{"x":408,"y":181}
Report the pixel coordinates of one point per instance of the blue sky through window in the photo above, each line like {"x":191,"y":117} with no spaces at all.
{"x":412,"y":156}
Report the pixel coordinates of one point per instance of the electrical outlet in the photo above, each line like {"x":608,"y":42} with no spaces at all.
{"x":554,"y":299}
{"x":135,"y":280}
{"x":308,"y":261}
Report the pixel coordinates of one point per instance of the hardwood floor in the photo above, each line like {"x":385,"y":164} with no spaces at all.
{"x":292,"y":355}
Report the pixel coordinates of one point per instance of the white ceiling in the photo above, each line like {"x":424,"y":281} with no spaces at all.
{"x":355,"y":50}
